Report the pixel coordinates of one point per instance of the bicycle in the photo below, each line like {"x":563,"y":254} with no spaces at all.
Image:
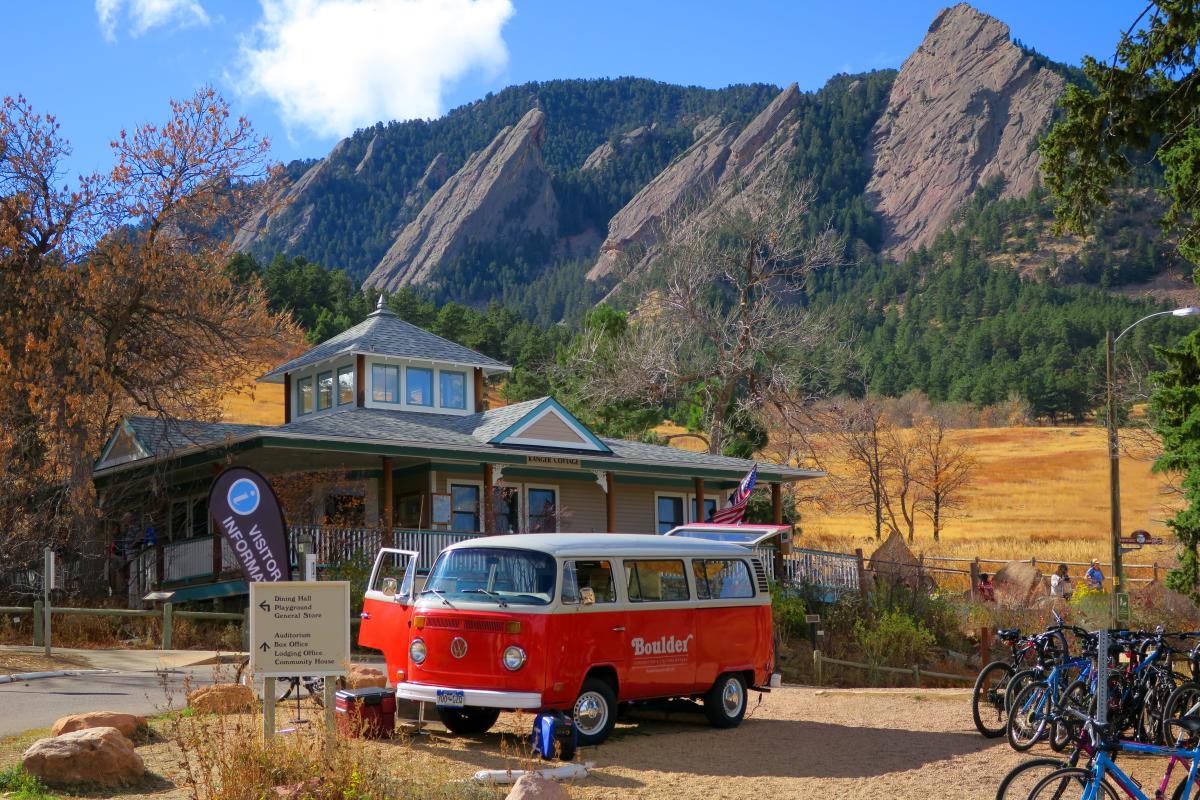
{"x":988,"y":697}
{"x":284,"y":687}
{"x":1093,"y":781}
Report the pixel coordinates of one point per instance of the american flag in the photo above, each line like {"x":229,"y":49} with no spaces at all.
{"x":732,"y":514}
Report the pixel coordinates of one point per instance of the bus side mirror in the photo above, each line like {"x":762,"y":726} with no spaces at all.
{"x":587,"y":596}
{"x":389,"y":587}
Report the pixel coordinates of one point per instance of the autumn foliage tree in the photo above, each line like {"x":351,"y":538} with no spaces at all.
{"x":113,"y":300}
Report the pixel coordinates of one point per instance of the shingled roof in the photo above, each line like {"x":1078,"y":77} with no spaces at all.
{"x":473,"y":433}
{"x":383,"y":333}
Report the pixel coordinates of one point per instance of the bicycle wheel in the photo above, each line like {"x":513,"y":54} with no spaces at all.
{"x":1028,"y":717}
{"x":284,"y":688}
{"x":987,"y":701}
{"x":1019,"y":681}
{"x":1183,"y":701}
{"x":1021,"y":779}
{"x":1064,"y":728}
{"x":316,"y":690}
{"x":1069,"y":784}
{"x":1150,"y":719}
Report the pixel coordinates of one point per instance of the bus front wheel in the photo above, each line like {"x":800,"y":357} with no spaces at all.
{"x":594,"y":712}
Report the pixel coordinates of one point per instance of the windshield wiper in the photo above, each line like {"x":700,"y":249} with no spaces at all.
{"x":503,"y":603}
{"x":437,"y":592}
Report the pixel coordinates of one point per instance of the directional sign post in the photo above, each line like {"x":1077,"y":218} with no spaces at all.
{"x":299,"y":628}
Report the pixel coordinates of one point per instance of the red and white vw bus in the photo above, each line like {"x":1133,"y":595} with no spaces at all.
{"x":575,"y":622}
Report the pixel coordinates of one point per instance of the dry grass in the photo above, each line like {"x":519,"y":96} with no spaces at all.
{"x":1037,"y":491}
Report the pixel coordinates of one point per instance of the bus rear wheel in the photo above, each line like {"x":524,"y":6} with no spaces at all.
{"x":725,"y":702}
{"x":469,"y":720}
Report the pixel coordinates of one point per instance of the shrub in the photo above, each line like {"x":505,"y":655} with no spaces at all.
{"x":788,"y":610}
{"x":18,"y":784}
{"x":894,"y":639}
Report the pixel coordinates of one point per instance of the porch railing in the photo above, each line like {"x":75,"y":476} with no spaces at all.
{"x":191,"y":559}
{"x":829,"y":572}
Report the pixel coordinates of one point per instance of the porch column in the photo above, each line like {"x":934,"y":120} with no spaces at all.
{"x":610,"y":502}
{"x":287,"y":397}
{"x":699,"y":500}
{"x":217,"y":561}
{"x":385,"y":500}
{"x":777,"y":518}
{"x":489,"y":491}
{"x":480,"y":399}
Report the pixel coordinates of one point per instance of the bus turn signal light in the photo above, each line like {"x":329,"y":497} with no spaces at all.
{"x":512,"y":627}
{"x":418,"y":622}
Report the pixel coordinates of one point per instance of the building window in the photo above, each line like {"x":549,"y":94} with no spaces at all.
{"x":304,"y":390}
{"x":418,"y":383}
{"x":507,"y":504}
{"x":324,"y":391}
{"x":454,"y":389}
{"x":345,"y":385}
{"x":178,"y":520}
{"x":710,"y":505}
{"x":464,"y":506}
{"x":385,"y":383}
{"x":655,"y":581}
{"x":722,"y":579}
{"x":345,"y":509}
{"x":543,"y":510}
{"x":200,"y":516}
{"x":669,"y":512}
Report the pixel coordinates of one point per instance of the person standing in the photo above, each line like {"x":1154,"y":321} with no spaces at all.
{"x":1094,"y":577}
{"x":1060,"y":583}
{"x":987,"y":589}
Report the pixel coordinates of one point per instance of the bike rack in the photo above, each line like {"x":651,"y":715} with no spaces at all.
{"x":1102,"y":677}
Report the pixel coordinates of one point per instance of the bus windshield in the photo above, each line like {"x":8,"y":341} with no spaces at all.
{"x":493,"y":574}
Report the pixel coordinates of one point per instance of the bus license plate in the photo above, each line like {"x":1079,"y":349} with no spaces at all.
{"x":450,"y":698}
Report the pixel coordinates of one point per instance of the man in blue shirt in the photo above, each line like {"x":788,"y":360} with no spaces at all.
{"x":1094,"y":577}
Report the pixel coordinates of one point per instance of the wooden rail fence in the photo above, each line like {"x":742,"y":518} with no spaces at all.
{"x":820,"y":660}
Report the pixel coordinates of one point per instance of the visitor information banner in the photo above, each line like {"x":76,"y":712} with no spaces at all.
{"x":247,"y":512}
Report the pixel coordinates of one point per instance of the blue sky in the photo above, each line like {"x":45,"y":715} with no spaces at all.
{"x":307,"y":72}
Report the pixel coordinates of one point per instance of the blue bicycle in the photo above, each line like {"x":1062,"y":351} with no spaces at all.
{"x":1040,"y":704}
{"x":1102,"y":777}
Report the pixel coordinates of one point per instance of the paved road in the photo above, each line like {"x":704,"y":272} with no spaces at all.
{"x":38,"y":703}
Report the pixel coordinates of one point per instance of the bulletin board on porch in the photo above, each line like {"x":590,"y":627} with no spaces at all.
{"x":441,"y":508}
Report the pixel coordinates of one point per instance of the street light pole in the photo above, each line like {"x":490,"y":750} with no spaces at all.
{"x":1114,"y":453}
{"x":1114,"y":481}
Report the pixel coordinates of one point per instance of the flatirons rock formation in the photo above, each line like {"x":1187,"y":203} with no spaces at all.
{"x":501,"y":194}
{"x":968,"y":105}
{"x":722,"y":157}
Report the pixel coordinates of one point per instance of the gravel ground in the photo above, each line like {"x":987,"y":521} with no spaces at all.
{"x":798,"y":743}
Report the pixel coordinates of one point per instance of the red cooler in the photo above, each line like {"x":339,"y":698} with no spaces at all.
{"x":369,"y":712}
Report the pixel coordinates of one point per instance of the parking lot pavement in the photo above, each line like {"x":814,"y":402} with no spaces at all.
{"x":38,"y":703}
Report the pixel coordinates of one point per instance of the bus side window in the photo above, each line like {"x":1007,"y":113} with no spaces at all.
{"x":594,"y":575}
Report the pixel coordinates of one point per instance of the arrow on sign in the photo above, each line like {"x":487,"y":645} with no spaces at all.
{"x":264,"y":647}
{"x":264,"y":605}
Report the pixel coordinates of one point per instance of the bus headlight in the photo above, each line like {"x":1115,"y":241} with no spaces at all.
{"x":514,"y":658}
{"x":416,"y":651}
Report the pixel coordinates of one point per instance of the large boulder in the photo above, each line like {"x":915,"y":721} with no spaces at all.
{"x":894,"y":562}
{"x":1018,"y":583}
{"x":127,"y":724}
{"x":222,"y":698}
{"x":360,"y":677}
{"x":532,"y":786}
{"x":92,"y":756}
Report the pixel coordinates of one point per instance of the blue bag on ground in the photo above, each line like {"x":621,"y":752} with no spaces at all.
{"x":554,"y":735}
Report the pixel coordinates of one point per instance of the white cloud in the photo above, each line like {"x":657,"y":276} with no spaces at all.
{"x":147,"y":14}
{"x":335,"y":65}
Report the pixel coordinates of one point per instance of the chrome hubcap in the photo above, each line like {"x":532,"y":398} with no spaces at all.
{"x":591,"y":713}
{"x":731,"y":697}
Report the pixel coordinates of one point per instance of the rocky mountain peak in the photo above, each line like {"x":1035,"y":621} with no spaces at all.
{"x":501,"y":194}
{"x":967,"y":106}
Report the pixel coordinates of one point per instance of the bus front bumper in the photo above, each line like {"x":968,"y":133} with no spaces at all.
{"x":485,"y":698}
